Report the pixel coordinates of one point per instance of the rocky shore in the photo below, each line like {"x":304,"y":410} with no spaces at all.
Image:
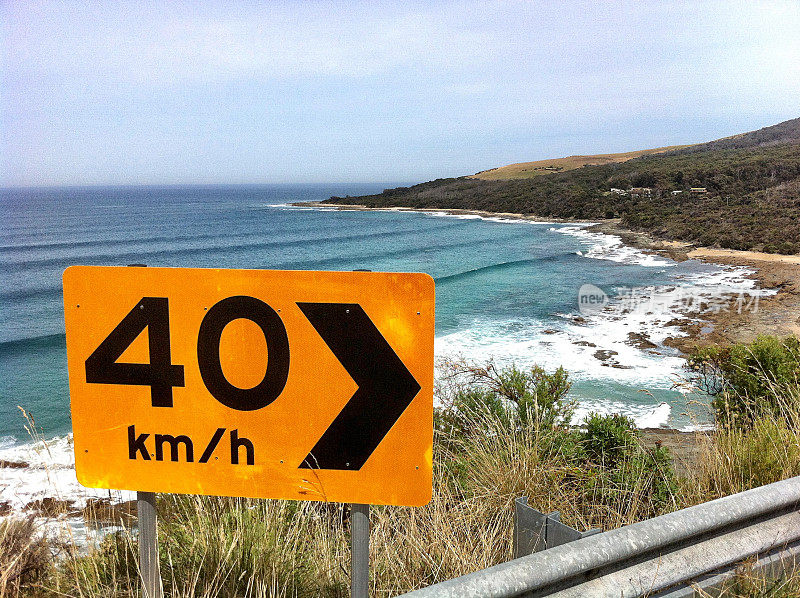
{"x":738,"y":321}
{"x":730,"y":321}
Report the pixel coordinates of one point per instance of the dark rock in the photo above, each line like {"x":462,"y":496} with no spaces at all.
{"x":604,"y":354}
{"x":50,"y":507}
{"x":678,"y":322}
{"x":640,"y":341}
{"x":13,"y":464}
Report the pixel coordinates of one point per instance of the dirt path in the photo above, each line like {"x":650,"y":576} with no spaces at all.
{"x":684,"y":447}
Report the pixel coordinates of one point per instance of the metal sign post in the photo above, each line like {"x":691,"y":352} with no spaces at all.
{"x":147,"y":515}
{"x":359,"y":544}
{"x":148,"y":545}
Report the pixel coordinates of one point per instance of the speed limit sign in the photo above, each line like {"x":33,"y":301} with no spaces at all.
{"x":274,"y":384}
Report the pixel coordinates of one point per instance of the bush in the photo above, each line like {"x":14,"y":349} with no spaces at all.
{"x":512,"y":396}
{"x":608,"y":438}
{"x":499,"y":424}
{"x":617,"y":468}
{"x":748,"y":380}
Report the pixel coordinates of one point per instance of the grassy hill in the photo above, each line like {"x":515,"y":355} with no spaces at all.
{"x":526,"y":170}
{"x":752,"y":199}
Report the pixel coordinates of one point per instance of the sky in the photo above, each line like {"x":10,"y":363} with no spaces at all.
{"x":172,"y":92}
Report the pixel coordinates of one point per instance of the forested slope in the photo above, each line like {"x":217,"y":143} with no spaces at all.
{"x":752,"y":200}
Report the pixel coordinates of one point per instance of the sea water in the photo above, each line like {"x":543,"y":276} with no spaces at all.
{"x":506,"y":289}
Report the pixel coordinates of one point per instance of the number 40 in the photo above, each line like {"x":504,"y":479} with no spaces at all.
{"x":161,"y":375}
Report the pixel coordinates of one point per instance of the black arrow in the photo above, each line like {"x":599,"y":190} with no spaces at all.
{"x":385,"y":386}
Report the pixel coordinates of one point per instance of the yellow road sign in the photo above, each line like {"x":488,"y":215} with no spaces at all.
{"x":272,"y":384}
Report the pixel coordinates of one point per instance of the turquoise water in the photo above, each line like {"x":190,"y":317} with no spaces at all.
{"x":505,"y":289}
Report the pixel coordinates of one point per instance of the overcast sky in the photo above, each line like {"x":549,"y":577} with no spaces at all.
{"x":237,"y":92}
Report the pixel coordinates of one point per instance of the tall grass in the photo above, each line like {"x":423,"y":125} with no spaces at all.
{"x":750,"y":584}
{"x":497,"y":438}
{"x":23,"y":555}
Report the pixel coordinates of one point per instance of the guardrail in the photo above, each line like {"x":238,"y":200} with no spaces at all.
{"x":656,"y":557}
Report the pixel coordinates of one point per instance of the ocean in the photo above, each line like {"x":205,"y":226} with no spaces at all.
{"x":506,"y":289}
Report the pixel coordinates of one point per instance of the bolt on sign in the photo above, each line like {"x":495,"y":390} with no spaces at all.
{"x":268,"y":384}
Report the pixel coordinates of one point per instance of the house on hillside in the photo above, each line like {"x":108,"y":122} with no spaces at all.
{"x":641,"y":192}
{"x":698,"y":190}
{"x":616,"y":191}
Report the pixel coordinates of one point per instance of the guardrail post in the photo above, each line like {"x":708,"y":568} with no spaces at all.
{"x":529,"y":528}
{"x":359,"y":543}
{"x":534,"y":531}
{"x":148,"y":545}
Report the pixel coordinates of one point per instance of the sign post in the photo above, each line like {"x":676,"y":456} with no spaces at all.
{"x":148,"y":544}
{"x":294,"y":385}
{"x":359,"y":545}
{"x":147,"y":523}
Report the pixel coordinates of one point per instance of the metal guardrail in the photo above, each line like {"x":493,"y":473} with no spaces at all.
{"x":650,"y":557}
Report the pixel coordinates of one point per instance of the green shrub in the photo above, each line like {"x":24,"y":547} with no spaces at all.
{"x":525,"y":417}
{"x":748,"y":380}
{"x":608,"y":439}
{"x":617,"y":468}
{"x":512,"y":396}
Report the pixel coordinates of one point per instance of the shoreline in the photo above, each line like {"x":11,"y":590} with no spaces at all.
{"x":740,"y":321}
{"x":449,"y":211}
{"x":777,"y":315}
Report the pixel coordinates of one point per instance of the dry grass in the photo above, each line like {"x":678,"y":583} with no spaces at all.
{"x":254,"y":548}
{"x":737,"y":458}
{"x":23,"y":555}
{"x":750,"y":584}
{"x":527,"y":170}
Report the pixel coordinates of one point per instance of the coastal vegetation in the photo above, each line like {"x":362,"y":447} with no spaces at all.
{"x":749,"y":380}
{"x":500,"y":433}
{"x":746,"y":192}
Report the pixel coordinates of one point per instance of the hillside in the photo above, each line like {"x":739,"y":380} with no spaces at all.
{"x":526,"y":170}
{"x":751,"y":198}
